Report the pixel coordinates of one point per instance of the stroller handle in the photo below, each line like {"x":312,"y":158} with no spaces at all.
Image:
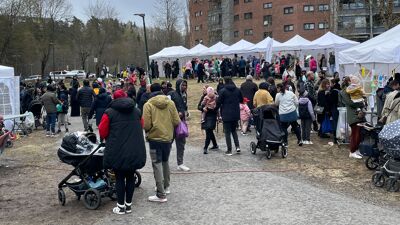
{"x":91,"y":154}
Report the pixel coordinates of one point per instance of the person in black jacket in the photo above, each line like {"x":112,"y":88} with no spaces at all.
{"x":125,"y":149}
{"x":333,"y":101}
{"x":210,"y":121}
{"x":220,"y":85}
{"x":200,"y":72}
{"x":141,"y":91}
{"x":100,"y":105}
{"x":85,"y":98}
{"x":249,"y":89}
{"x":228,"y":101}
{"x":179,"y":97}
{"x":323,"y":97}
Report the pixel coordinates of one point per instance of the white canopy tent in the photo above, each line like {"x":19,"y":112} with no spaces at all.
{"x":196,"y":50}
{"x":265,"y":47}
{"x":296,"y":43}
{"x":216,"y":49}
{"x":171,"y":52}
{"x":9,"y":92}
{"x":239,"y":47}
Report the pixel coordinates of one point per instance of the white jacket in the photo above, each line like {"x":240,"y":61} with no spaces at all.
{"x":287,"y":102}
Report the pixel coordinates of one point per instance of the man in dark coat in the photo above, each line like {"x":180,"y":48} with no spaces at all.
{"x":125,"y":152}
{"x":179,"y":97}
{"x":168,"y":70}
{"x":249,"y":89}
{"x":175,"y":67}
{"x":228,"y":101}
{"x":200,"y":72}
{"x":100,"y":105}
{"x":152,"y":68}
{"x":85,"y":98}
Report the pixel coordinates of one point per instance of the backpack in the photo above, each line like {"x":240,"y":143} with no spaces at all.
{"x":304,"y":114}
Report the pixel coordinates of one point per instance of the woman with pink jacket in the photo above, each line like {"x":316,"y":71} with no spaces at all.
{"x":245,"y":116}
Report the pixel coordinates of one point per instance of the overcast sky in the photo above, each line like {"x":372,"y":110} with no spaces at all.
{"x":125,"y":9}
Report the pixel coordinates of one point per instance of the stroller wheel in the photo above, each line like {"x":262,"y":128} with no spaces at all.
{"x":269,"y":154}
{"x":61,"y":196}
{"x":392,"y":185}
{"x":284,"y":151}
{"x":372,"y":163}
{"x":9,"y":144}
{"x":378,"y":179}
{"x":253,"y":148}
{"x":138,"y":179}
{"x":92,"y":199}
{"x":78,"y":197}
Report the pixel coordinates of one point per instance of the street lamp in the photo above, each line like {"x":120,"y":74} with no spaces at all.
{"x":145,"y":42}
{"x":54,"y":64}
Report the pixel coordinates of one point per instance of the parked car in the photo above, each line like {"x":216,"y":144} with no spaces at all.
{"x":58,"y":74}
{"x":79,"y":73}
{"x":33,"y":78}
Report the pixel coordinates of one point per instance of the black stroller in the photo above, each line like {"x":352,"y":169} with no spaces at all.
{"x":369,"y":146}
{"x":389,"y":173}
{"x":90,"y":179}
{"x":269,"y":131}
{"x":36,"y":108}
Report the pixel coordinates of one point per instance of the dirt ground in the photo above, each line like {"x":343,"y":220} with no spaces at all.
{"x":31,"y":170}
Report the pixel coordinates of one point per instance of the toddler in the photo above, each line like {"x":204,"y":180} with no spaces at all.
{"x":245,"y":116}
{"x":355,"y":90}
{"x":209,"y":102}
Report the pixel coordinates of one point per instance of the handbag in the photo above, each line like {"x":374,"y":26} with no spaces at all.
{"x":182,"y":130}
{"x":326,"y":126}
{"x":319,"y":109}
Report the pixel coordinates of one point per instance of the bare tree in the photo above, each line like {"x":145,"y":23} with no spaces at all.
{"x":168,"y":18}
{"x":386,"y":14}
{"x":11,"y":10}
{"x":101,"y":9}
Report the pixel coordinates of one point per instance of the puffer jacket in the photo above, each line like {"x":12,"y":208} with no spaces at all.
{"x":229,"y":99}
{"x":160,"y":118}
{"x":303,"y":101}
{"x":244,"y":112}
{"x":49,"y":101}
{"x":179,"y":97}
{"x":85,"y":97}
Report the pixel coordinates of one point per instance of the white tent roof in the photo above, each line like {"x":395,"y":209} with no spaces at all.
{"x":171,"y":52}
{"x":262,"y":45}
{"x":238,"y":47}
{"x":384,"y":48}
{"x":331,"y":40}
{"x":6,"y":71}
{"x":196,"y":50}
{"x":216,"y":49}
{"x":295,"y":43}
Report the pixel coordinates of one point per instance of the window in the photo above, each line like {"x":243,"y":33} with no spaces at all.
{"x":309,"y":26}
{"x":288,"y":10}
{"x":248,"y":32}
{"x":308,"y":8}
{"x":236,"y":34}
{"x":199,"y":13}
{"x":288,"y":28}
{"x":268,"y":20}
{"x":396,"y":3}
{"x":323,"y":7}
{"x":236,"y":18}
{"x":267,"y":34}
{"x":197,"y":28}
{"x":247,"y":1}
{"x":323,"y":25}
{"x":236,"y":2}
{"x":248,"y":16}
{"x":268,"y":5}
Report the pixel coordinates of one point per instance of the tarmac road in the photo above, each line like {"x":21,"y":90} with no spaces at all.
{"x":235,"y":190}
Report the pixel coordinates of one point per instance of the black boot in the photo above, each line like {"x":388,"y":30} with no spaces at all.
{"x":205,"y":151}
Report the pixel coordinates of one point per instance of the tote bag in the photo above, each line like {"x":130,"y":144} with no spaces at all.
{"x":326,"y":126}
{"x":182,"y":130}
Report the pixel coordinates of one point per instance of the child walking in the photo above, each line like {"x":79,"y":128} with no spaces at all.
{"x":245,"y":116}
{"x":306,"y":114}
{"x":209,"y":102}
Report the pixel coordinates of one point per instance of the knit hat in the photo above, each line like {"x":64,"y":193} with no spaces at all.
{"x":245,"y":100}
{"x":210,"y":90}
{"x":119,"y":94}
{"x":249,"y":77}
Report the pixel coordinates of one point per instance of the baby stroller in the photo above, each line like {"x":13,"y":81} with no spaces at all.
{"x":369,"y":146}
{"x":91,"y":180}
{"x":389,"y":173}
{"x":36,"y":108}
{"x":269,"y":132}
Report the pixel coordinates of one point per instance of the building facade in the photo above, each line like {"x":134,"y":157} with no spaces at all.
{"x":253,"y":20}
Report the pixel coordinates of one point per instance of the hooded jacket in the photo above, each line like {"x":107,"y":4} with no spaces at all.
{"x":99,"y":106}
{"x":49,"y":101}
{"x":229,"y":100}
{"x":262,"y":97}
{"x":306,"y":101}
{"x":179,"y":97}
{"x":121,"y":127}
{"x":160,"y":118}
{"x":249,"y":89}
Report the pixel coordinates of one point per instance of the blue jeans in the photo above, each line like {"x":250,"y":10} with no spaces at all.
{"x":332,"y":69}
{"x":51,"y":122}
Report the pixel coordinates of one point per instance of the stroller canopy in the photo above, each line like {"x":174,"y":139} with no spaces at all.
{"x":390,"y":135}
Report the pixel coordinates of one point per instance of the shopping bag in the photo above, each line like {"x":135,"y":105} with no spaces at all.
{"x":326,"y":126}
{"x":182,"y":130}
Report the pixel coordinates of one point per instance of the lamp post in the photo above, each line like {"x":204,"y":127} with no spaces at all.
{"x":145,"y":42}
{"x":54,"y":62}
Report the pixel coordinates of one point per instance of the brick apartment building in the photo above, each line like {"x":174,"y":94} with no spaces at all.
{"x":253,"y":20}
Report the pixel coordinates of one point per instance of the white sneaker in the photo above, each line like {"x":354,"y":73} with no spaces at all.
{"x":155,"y":198}
{"x":167,"y":191}
{"x":183,"y":168}
{"x":310,"y":143}
{"x":358,"y":153}
{"x":306,"y":143}
{"x":355,"y":156}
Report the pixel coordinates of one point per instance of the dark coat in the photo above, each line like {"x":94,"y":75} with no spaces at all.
{"x":228,"y":101}
{"x":323,"y":101}
{"x":139,"y":94}
{"x":99,"y":106}
{"x":249,"y":89}
{"x":125,"y":146}
{"x":63,"y":97}
{"x":210,"y":119}
{"x":178,"y":97}
{"x":85,"y":97}
{"x":73,"y":92}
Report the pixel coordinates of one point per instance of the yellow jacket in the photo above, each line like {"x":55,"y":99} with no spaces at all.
{"x":262,"y":97}
{"x":160,"y":119}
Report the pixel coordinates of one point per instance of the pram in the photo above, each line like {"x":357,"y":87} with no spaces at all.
{"x":269,"y":131}
{"x":92,"y":181}
{"x":36,"y":108}
{"x":369,"y":146}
